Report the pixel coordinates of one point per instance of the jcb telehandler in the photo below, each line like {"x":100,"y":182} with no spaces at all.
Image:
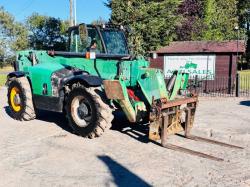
{"x":97,"y":76}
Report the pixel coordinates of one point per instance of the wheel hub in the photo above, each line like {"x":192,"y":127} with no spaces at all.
{"x":15,"y":99}
{"x":81,"y":111}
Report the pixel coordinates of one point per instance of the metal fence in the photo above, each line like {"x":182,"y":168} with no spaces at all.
{"x":238,"y":86}
{"x":244,"y":85}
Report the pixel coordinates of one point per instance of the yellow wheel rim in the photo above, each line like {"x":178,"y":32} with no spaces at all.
{"x":13,"y":93}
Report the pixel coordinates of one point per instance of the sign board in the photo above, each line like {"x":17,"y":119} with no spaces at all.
{"x":205,"y":65}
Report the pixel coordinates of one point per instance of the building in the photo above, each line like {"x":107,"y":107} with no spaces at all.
{"x":216,"y":62}
{"x":213,"y":59}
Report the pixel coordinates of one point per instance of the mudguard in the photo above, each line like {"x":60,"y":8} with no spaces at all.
{"x":16,"y":74}
{"x":87,"y":80}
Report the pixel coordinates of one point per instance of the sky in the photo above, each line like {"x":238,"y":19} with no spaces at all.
{"x":87,"y":10}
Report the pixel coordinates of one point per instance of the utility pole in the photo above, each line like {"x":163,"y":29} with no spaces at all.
{"x":71,"y":19}
{"x":75,"y":11}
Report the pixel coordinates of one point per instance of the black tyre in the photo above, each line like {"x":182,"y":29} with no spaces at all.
{"x":87,"y":112}
{"x":20,"y":99}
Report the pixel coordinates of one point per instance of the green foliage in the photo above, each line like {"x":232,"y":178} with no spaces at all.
{"x":209,"y":20}
{"x":243,"y":10}
{"x":13,"y":37}
{"x":213,"y":19}
{"x":2,"y":79}
{"x":220,"y":19}
{"x":155,"y":23}
{"x":152,"y":23}
{"x":47,"y":32}
{"x":244,"y":22}
{"x":1,"y":64}
{"x":99,"y":21}
{"x":192,"y":24}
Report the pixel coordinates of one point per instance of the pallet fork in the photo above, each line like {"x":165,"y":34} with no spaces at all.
{"x":166,"y":119}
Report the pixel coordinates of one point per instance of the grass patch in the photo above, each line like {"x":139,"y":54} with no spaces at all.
{"x":2,"y":79}
{"x":244,"y":72}
{"x":244,"y":79}
{"x":6,"y":69}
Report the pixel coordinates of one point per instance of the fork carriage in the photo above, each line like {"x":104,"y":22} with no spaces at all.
{"x":166,"y":117}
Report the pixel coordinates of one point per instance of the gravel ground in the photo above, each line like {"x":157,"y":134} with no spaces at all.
{"x":44,"y":152}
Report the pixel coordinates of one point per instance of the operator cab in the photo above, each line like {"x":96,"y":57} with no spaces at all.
{"x":102,"y":39}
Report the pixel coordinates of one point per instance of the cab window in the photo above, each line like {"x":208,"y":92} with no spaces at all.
{"x":74,"y":40}
{"x":83,"y":42}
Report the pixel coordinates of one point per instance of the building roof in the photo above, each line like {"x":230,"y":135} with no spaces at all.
{"x":204,"y":47}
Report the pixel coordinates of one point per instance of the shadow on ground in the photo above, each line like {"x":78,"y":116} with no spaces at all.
{"x":57,"y":118}
{"x":7,"y":110}
{"x":136,"y":131}
{"x":245,"y":103}
{"x":53,"y":117}
{"x":122,"y":176}
{"x":120,"y":124}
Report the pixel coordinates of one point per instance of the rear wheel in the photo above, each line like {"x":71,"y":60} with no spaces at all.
{"x":87,"y":112}
{"x":20,"y":99}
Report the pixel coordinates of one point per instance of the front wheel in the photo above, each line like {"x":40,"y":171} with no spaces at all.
{"x":20,"y":99}
{"x":87,"y":112}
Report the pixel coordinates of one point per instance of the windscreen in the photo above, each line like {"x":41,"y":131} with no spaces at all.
{"x":115,"y":42}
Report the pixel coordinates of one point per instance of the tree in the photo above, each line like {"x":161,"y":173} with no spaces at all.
{"x":47,"y":32}
{"x":13,"y":36}
{"x":192,"y":24}
{"x":243,"y":8}
{"x":152,"y":23}
{"x":99,"y":21}
{"x":243,"y":11}
{"x":220,"y":19}
{"x":212,"y":19}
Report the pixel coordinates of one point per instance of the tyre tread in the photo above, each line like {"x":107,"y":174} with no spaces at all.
{"x":29,"y":111}
{"x":104,"y":112}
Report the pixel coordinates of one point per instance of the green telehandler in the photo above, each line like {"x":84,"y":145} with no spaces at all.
{"x":96,"y":76}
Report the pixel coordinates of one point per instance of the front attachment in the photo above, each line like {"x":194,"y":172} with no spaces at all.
{"x":171,"y":117}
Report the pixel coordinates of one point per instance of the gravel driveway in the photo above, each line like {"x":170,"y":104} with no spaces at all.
{"x":44,"y":152}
